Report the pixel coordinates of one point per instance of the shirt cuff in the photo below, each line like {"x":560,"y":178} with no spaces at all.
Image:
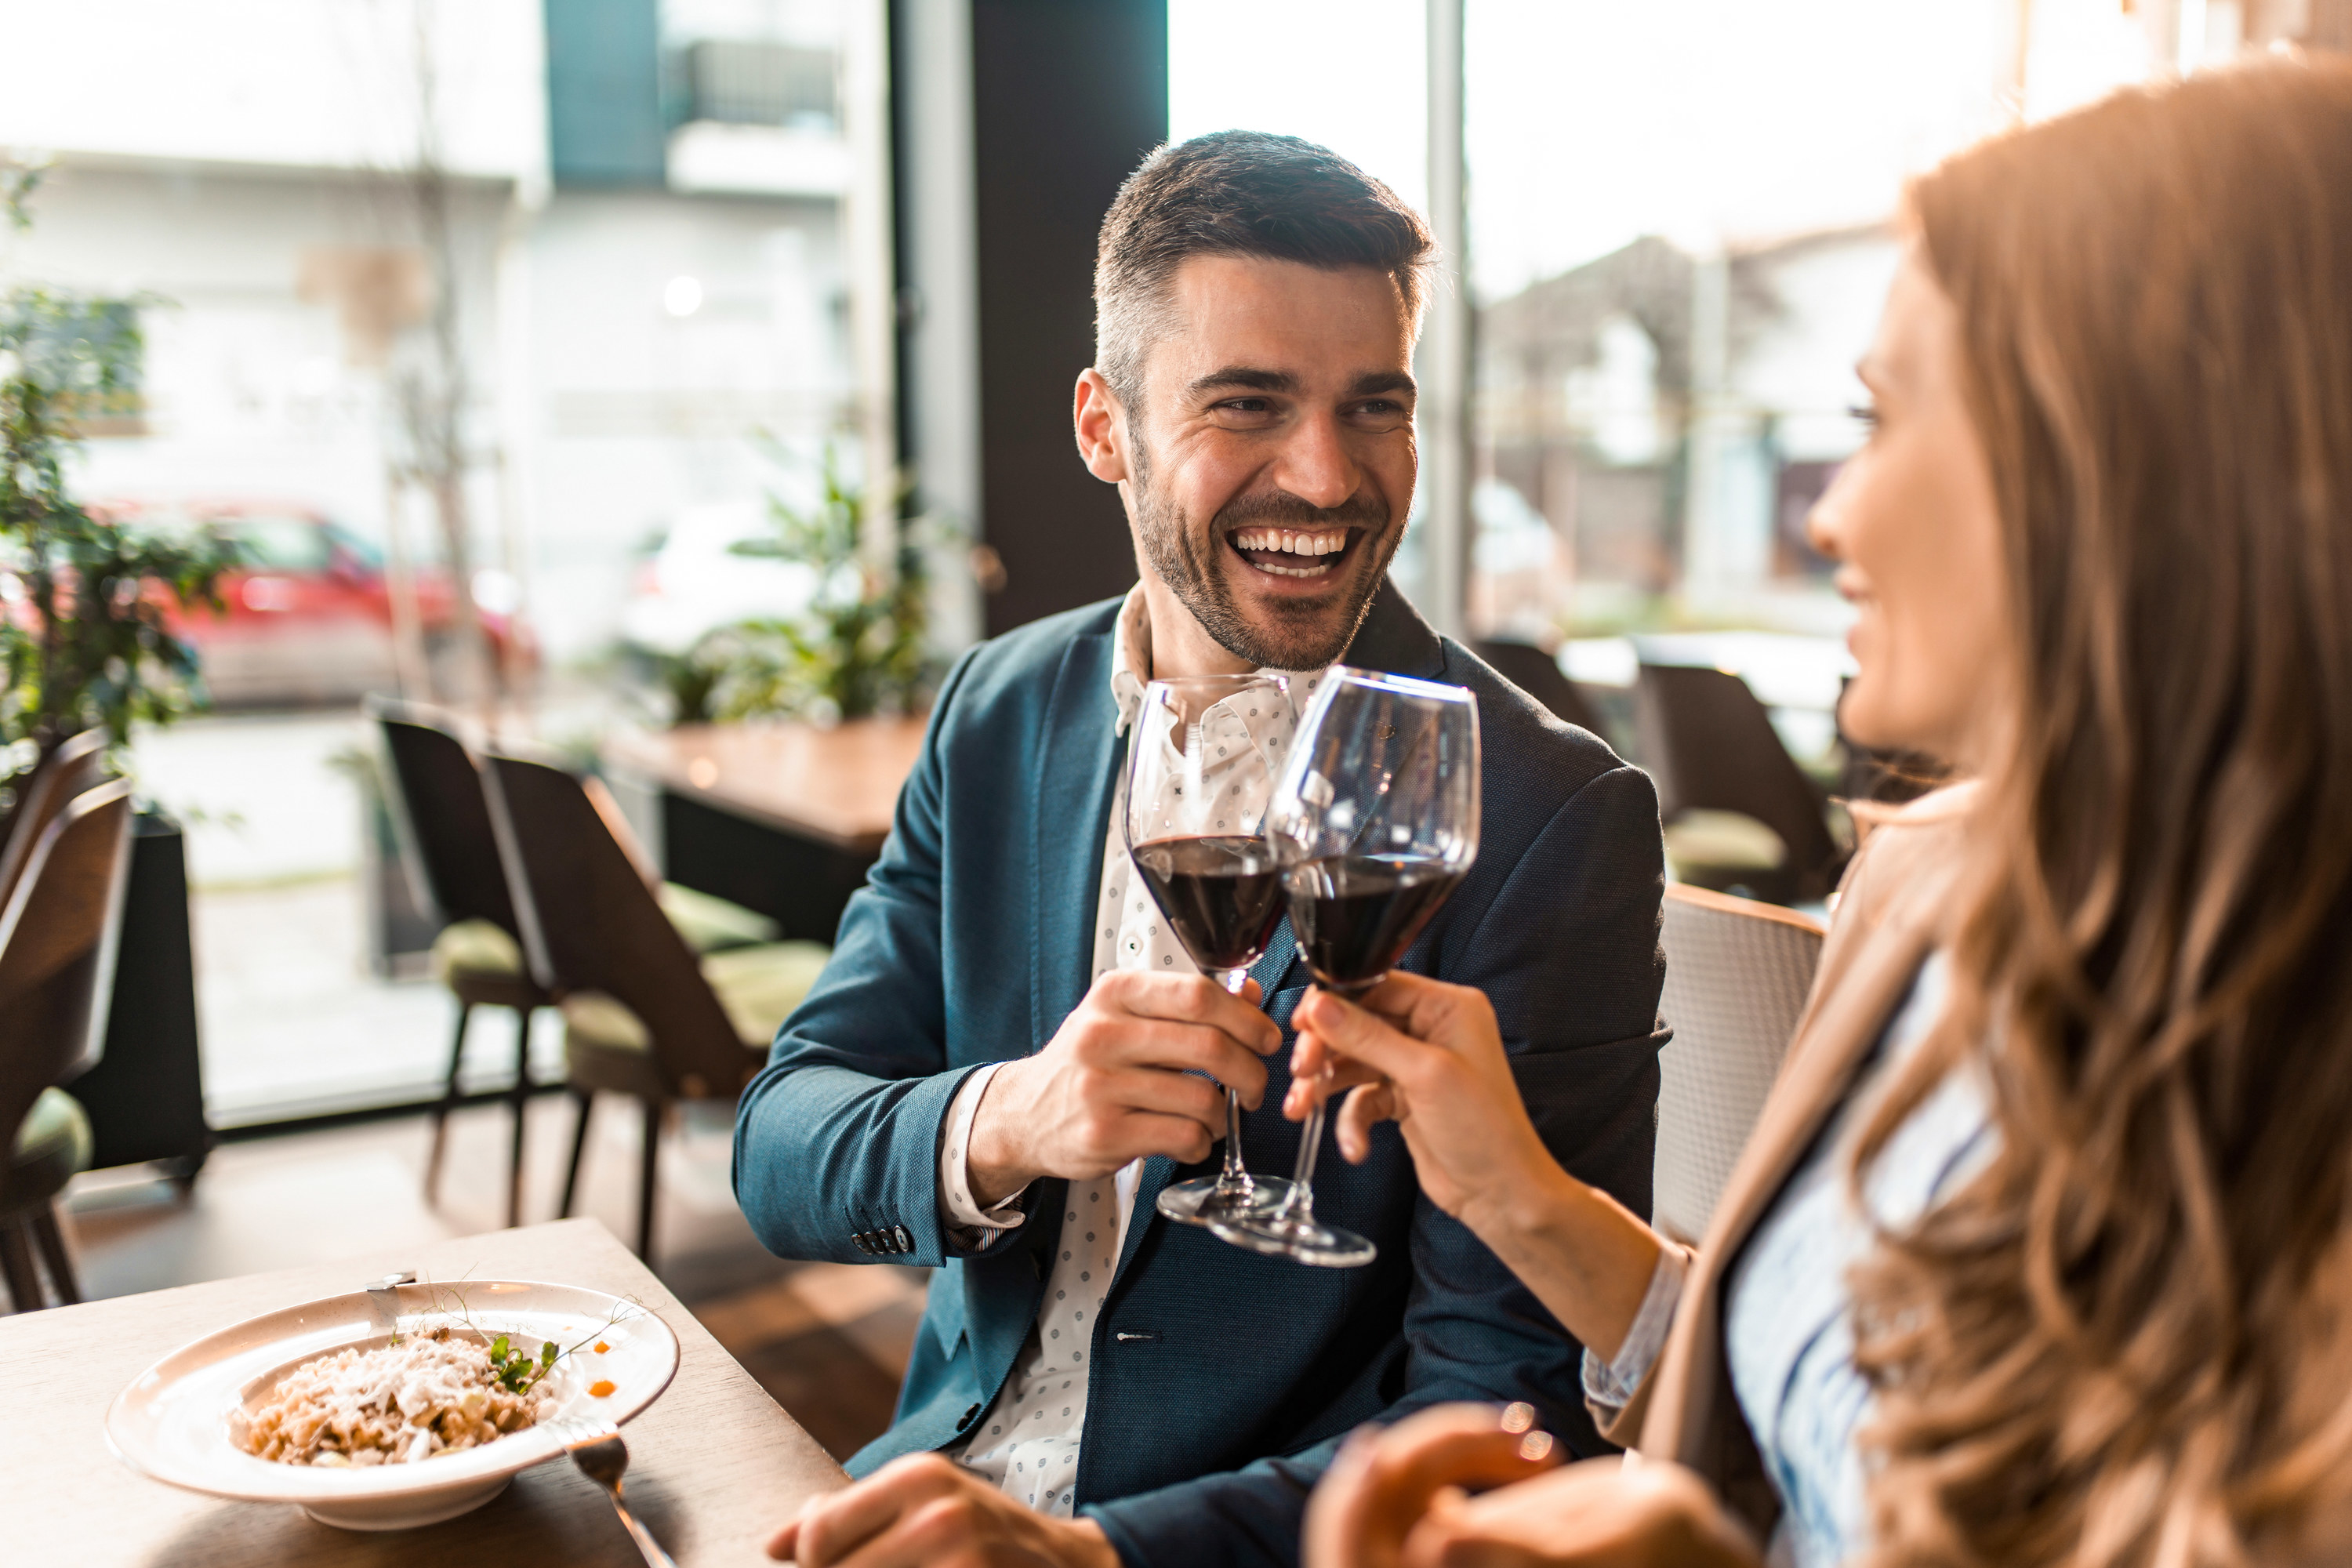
{"x":968,"y":1223}
{"x":1613,"y":1385}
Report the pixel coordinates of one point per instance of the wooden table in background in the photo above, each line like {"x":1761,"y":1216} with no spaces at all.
{"x":715,"y":1465}
{"x":781,"y":818}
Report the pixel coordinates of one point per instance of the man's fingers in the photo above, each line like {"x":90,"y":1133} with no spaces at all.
{"x":1365,"y":1108}
{"x":1176,"y":1048}
{"x":1197,"y":999}
{"x":1181,"y":1138}
{"x":829,"y":1529}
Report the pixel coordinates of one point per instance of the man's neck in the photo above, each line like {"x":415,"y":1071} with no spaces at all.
{"x":1180,"y":646}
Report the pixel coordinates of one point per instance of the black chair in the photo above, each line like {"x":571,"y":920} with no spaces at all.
{"x":76,"y":764}
{"x":443,"y":821}
{"x":1711,"y":747}
{"x":1538,"y":675}
{"x":57,"y":956}
{"x":643,"y":1015}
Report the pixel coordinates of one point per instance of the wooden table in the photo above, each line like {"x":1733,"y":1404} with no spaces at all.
{"x":780,"y":818}
{"x":836,"y":785}
{"x":714,"y":1464}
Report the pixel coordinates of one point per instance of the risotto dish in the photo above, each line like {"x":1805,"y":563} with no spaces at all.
{"x":428,"y":1394}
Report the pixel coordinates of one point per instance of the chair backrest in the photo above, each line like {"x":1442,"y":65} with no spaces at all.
{"x":1738,"y":972}
{"x":73,"y":767}
{"x":444,"y":819}
{"x":1710,"y":745}
{"x":58,"y":936}
{"x":591,"y":923}
{"x":1538,"y":675}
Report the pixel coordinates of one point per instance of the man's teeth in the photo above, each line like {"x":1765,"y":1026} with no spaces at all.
{"x":1290,"y":542}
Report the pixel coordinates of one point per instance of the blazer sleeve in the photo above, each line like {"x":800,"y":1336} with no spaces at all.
{"x":1567,"y":951}
{"x":839,"y":1133}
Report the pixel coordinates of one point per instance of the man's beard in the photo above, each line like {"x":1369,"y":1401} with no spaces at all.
{"x":1289,"y":633}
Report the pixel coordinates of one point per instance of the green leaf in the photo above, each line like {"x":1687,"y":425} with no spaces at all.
{"x":498,"y":1351}
{"x":547,"y":1354}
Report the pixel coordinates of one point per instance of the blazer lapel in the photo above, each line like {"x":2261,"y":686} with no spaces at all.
{"x":1395,"y":639}
{"x":1077,"y":766}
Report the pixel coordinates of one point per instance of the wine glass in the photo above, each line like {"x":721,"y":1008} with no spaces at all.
{"x":1201,"y":764}
{"x":1374,"y":821}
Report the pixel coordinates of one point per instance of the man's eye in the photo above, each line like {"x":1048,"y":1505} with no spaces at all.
{"x":1246,"y":406}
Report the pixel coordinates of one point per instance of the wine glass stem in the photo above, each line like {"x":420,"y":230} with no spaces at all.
{"x":1234,"y":1177}
{"x":1299,"y":1202}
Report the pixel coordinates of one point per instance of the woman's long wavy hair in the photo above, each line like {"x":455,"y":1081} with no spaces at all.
{"x":2126,"y":1342}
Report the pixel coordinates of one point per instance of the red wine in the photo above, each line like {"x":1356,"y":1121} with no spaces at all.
{"x":1222,"y":895}
{"x":1356,"y":914}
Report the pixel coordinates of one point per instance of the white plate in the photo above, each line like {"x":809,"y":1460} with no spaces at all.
{"x":176,"y":1421}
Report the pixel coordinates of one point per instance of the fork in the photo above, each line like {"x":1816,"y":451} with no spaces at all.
{"x":599,"y":1454}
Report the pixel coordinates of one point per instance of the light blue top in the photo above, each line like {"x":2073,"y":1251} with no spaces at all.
{"x":1788,"y":1306}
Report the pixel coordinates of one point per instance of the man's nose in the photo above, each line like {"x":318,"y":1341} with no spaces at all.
{"x":1317,"y":465}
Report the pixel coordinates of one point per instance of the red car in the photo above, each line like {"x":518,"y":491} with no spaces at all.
{"x":306,"y":614}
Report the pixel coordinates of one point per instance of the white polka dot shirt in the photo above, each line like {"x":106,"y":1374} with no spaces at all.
{"x":1027,"y":1443}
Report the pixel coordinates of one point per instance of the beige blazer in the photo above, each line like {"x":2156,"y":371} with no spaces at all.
{"x":1891,"y":912}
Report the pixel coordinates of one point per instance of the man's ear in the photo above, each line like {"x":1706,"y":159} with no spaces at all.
{"x":1101,"y":427}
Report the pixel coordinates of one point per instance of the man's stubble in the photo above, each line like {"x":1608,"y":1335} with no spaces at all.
{"x":1309,"y":635}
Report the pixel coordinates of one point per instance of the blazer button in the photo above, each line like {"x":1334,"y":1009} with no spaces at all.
{"x":967,"y":1418}
{"x":864,"y":1244}
{"x":905,"y":1239}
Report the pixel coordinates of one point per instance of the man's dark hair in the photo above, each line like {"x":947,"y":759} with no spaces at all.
{"x":1240,"y":193}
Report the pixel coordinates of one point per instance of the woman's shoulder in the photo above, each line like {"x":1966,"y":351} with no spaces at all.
{"x":1908,"y":858}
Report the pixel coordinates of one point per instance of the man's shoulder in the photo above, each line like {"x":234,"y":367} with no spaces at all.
{"x":1534,"y":760}
{"x":1022,"y":663}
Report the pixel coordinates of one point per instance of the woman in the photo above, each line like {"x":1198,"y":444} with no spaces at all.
{"x":2039,"y":1252}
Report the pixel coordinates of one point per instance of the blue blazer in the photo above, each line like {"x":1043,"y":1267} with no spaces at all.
{"x":1221,"y":1381}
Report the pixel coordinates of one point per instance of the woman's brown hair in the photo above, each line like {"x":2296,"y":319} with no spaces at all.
{"x":2125,"y":1340}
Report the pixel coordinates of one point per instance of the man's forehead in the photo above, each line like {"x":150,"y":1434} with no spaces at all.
{"x":1315,"y":328}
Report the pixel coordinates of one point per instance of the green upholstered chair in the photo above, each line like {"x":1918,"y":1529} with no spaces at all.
{"x":56,"y":950}
{"x":645,"y":1015}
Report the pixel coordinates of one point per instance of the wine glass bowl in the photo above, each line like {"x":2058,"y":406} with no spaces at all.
{"x":1202,"y":761}
{"x":1374,"y":822}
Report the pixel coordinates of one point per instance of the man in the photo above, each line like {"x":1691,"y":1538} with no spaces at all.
{"x":1091,"y":1383}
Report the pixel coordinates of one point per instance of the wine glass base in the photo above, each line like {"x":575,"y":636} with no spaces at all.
{"x":1300,"y":1239}
{"x":1207,"y":1201}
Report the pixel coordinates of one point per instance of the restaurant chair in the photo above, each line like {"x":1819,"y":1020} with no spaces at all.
{"x":57,"y":960}
{"x":75,"y":765}
{"x":1711,"y":747}
{"x":444,"y":822}
{"x":1538,"y":674}
{"x":643,"y":1014}
{"x":1738,"y":973}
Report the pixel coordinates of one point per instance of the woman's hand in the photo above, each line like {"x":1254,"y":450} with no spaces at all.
{"x":1428,"y":1056}
{"x":1396,"y":1500}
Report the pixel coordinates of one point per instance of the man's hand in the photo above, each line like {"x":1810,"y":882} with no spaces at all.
{"x":1116,"y":1082}
{"x":925,"y":1512}
{"x":1396,"y":1500}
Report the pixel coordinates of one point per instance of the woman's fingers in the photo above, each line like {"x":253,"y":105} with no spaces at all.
{"x":1379,"y":1486}
{"x":1365,"y":1108}
{"x":1351,"y":1032}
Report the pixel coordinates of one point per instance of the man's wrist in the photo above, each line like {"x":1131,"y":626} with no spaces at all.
{"x":993,"y":1162}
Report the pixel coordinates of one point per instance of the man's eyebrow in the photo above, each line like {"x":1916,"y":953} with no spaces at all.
{"x":1243,"y":378}
{"x":1373,"y":382}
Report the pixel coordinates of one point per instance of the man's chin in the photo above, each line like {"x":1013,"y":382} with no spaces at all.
{"x":1280,"y":626}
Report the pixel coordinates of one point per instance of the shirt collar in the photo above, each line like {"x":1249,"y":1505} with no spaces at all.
{"x":1130,"y":661}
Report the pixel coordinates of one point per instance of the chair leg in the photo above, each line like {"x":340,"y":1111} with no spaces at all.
{"x":448,"y":1103}
{"x":586,"y":1100}
{"x":17,"y":1267}
{"x":52,"y":1243}
{"x":519,"y":1099}
{"x":649,"y":1166}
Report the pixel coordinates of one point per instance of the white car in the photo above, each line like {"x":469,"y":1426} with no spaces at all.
{"x":693,"y":582}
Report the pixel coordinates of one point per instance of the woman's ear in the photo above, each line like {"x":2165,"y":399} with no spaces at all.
{"x":1101,"y":427}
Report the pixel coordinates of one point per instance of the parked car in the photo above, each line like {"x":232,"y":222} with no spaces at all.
{"x":306,"y":614}
{"x":693,"y":582}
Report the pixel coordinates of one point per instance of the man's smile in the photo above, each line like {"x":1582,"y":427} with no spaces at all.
{"x":1308,"y":553}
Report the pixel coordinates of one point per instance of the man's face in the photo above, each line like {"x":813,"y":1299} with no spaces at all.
{"x":1271,"y":466}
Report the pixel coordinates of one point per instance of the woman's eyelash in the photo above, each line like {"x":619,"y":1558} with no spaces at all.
{"x":1865,"y":414}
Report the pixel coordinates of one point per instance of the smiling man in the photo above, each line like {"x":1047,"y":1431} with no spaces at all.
{"x":1007,"y":1060}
